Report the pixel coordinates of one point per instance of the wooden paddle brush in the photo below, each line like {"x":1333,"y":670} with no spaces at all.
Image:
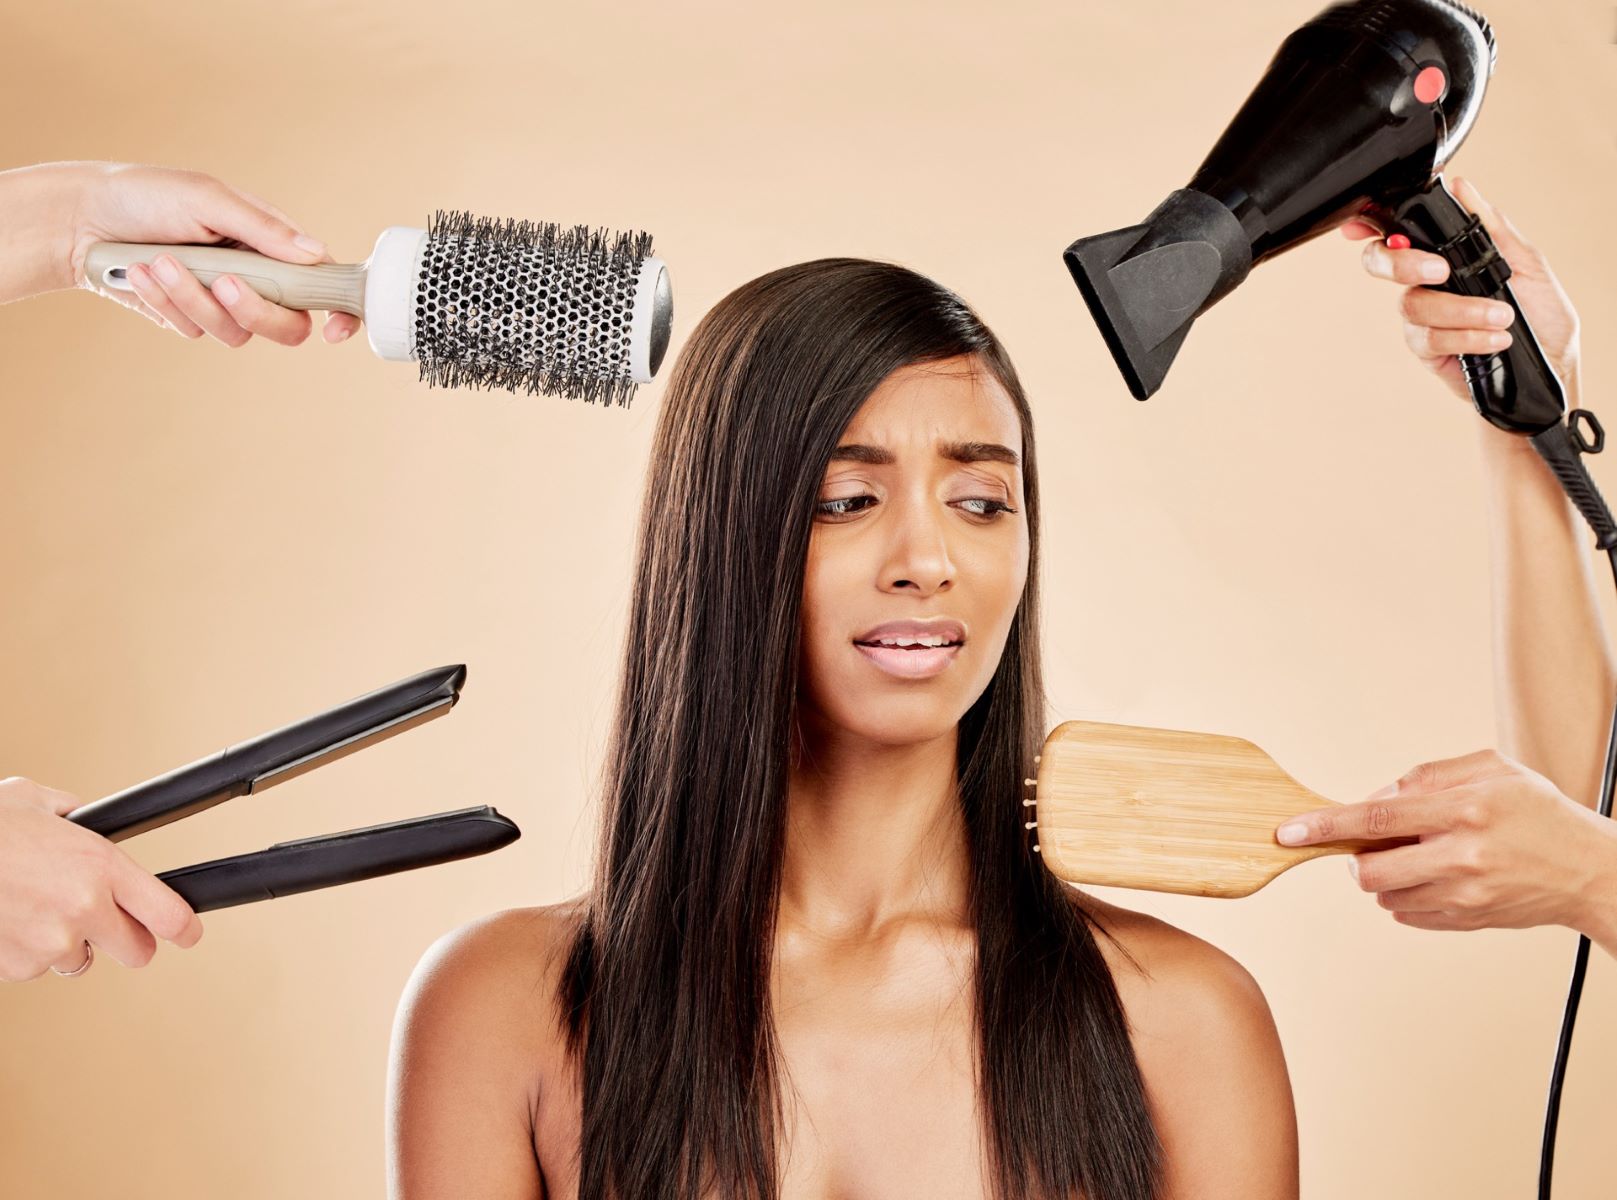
{"x":1168,"y":810}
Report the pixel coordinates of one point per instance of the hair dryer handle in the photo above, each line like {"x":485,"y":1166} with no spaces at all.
{"x":1514,"y":389}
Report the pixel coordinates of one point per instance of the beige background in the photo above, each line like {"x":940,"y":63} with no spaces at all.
{"x":1288,"y":543}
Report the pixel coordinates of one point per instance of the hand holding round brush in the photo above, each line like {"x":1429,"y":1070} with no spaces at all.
{"x":56,"y":211}
{"x":522,"y":305}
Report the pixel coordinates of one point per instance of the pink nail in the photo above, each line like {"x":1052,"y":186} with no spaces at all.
{"x":225,"y":288}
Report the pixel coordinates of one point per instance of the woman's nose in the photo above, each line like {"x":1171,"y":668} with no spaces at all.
{"x":918,"y":554}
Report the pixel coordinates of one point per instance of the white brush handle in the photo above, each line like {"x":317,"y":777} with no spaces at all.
{"x":330,"y":287}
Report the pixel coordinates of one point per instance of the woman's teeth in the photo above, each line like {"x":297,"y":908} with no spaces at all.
{"x":908,"y":642}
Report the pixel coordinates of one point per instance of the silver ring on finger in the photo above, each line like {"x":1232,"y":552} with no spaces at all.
{"x":89,"y":957}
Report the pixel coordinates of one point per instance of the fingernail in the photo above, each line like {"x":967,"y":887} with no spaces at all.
{"x":1353,"y":869}
{"x":1291,"y":833}
{"x":167,"y":269}
{"x":1499,"y":340}
{"x":1501,"y":314}
{"x":1398,"y":242}
{"x":225,"y":288}
{"x":1383,"y":793}
{"x":306,"y":243}
{"x":1432,"y":270}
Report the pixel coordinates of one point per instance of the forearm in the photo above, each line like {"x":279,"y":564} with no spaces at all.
{"x":38,"y":213}
{"x":1592,"y":863}
{"x":1555,"y":674}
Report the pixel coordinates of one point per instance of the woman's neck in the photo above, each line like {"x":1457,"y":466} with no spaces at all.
{"x":874,"y":834}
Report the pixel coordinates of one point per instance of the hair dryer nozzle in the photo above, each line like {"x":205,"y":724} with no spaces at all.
{"x":1145,"y":284}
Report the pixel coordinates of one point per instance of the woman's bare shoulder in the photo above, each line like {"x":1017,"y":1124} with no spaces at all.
{"x":488,"y":987}
{"x":1158,"y":966}
{"x":475,"y":1039}
{"x":1210,"y":1055}
{"x":506,"y":951}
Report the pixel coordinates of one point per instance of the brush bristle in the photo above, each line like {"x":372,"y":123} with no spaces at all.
{"x":528,"y":306}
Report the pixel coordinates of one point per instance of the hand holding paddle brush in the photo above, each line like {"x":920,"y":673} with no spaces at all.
{"x":521,"y":305}
{"x":1169,"y":810}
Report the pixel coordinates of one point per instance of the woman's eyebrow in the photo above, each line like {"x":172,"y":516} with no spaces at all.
{"x":965,"y":452}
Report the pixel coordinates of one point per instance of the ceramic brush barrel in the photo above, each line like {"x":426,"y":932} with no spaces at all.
{"x":478,"y":302}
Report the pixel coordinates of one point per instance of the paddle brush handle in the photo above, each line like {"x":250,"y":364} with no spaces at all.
{"x":1356,"y":846}
{"x":328,"y":287}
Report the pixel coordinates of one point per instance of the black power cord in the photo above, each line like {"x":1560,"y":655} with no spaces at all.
{"x":1560,"y":446}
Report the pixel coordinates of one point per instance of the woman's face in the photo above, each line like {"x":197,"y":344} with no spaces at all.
{"x":911,"y":526}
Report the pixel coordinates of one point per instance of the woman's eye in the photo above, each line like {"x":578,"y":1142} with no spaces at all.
{"x":995,"y":507}
{"x":837,"y":508}
{"x":830,"y":508}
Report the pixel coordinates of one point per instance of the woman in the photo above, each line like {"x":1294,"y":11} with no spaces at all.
{"x":820,"y":956}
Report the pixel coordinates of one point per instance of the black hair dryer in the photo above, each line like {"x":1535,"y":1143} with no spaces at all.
{"x":1356,"y":116}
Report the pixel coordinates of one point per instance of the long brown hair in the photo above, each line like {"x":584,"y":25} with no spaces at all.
{"x":666,"y":987}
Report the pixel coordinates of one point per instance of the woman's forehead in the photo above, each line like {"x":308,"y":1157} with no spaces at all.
{"x":957,"y":399}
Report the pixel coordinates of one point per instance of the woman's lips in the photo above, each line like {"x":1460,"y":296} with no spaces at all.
{"x":919,"y":663}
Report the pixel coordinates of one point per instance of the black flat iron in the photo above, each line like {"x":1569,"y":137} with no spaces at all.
{"x":309,"y":863}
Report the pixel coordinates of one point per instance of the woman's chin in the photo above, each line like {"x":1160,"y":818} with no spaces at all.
{"x":896,"y":721}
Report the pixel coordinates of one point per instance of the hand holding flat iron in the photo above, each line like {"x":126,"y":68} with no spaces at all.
{"x":1499,"y":846}
{"x":64,"y":889}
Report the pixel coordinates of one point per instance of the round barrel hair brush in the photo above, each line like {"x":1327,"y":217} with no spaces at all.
{"x":478,"y":302}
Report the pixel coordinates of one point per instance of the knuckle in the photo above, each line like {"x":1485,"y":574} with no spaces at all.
{"x":1379,"y":818}
{"x":63,"y":943}
{"x":1325,"y":827}
{"x":1409,"y":304}
{"x":1472,"y":814}
{"x":210,"y":183}
{"x":1422,"y":774}
{"x":1472,"y":861}
{"x":82,"y":905}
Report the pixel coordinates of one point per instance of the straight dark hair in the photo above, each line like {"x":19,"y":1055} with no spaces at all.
{"x":667,"y":983}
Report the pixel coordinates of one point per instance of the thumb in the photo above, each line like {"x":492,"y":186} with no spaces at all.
{"x":1440,"y":774}
{"x":1516,"y":249}
{"x":231,"y":214}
